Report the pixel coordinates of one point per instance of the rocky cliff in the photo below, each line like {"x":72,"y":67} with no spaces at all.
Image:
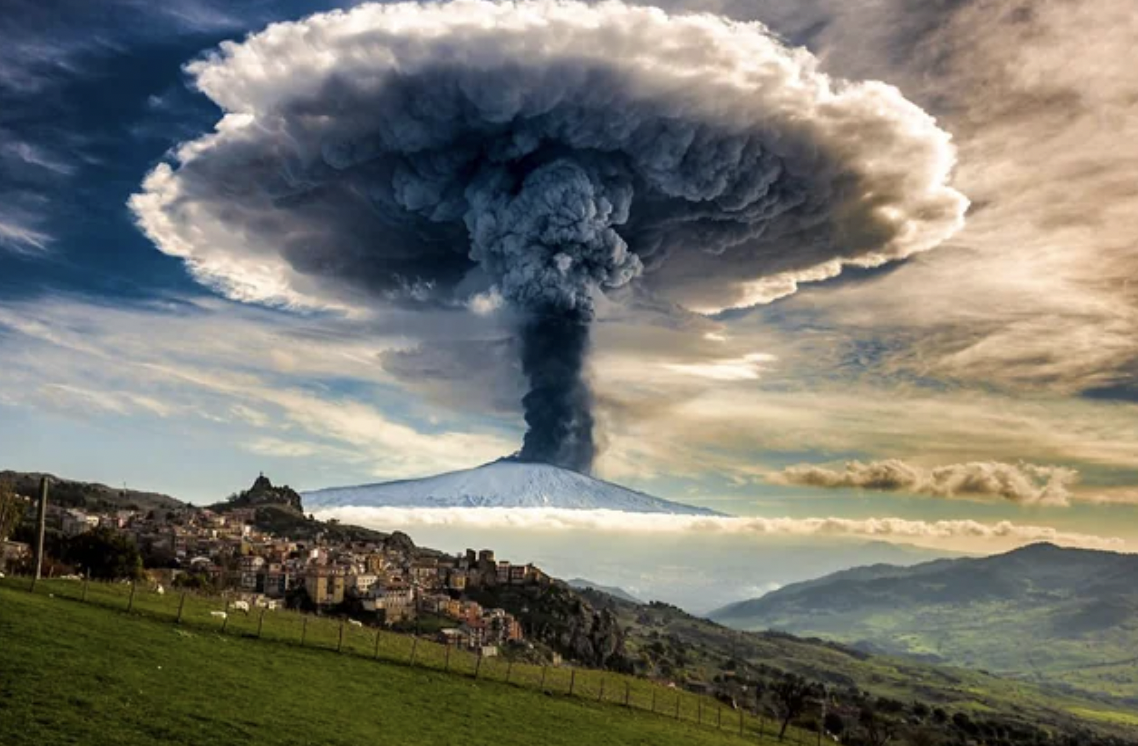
{"x":555,"y":615}
{"x":262,"y":493}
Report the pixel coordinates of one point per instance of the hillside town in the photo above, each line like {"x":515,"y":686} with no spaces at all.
{"x":380,"y":578}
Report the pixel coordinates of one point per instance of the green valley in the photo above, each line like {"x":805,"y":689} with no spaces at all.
{"x":1067,"y":618}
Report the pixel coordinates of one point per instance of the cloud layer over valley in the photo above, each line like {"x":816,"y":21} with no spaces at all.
{"x":949,"y":534}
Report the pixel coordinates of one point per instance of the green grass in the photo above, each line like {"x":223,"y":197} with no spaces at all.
{"x":1118,"y":718}
{"x":1002,"y":638}
{"x":75,"y":673}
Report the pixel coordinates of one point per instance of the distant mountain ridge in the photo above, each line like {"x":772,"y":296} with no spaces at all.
{"x":501,"y":484}
{"x":582,"y":584}
{"x":70,"y":493}
{"x":1042,"y":612}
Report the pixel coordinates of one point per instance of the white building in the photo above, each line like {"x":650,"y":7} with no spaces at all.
{"x":75,"y":522}
{"x":362,"y":583}
{"x":393,"y":602}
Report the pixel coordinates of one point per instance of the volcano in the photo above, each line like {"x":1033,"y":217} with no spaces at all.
{"x":501,"y":484}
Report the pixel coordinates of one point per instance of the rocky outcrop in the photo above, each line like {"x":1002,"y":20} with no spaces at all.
{"x":555,"y":615}
{"x":263,"y":493}
{"x":593,"y":638}
{"x":399,"y":542}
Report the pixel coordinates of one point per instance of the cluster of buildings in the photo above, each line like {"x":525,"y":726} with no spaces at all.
{"x":392,"y":581}
{"x":399,"y":586}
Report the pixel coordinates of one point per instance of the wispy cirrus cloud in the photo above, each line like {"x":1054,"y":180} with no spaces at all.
{"x":76,"y":399}
{"x":46,"y":44}
{"x":55,"y":59}
{"x":18,"y":235}
{"x":241,"y":374}
{"x":27,"y":154}
{"x":748,"y":367}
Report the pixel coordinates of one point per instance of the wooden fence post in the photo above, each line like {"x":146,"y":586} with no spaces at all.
{"x":446,"y":658}
{"x":478,"y":665}
{"x":414,"y":645}
{"x":509,"y":670}
{"x":653,"y":700}
{"x":86,"y":584}
{"x":378,"y":632}
{"x":572,"y":680}
{"x":130,"y":601}
{"x":740,"y":721}
{"x":225,"y":619}
{"x":601,"y":696}
{"x":340,"y":644}
{"x":627,"y":693}
{"x":542,"y":685}
{"x":181,"y":608}
{"x":261,"y":623}
{"x":304,"y":631}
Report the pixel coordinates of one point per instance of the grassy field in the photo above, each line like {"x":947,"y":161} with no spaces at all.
{"x":90,"y":673}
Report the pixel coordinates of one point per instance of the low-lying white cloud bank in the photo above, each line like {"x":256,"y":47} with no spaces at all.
{"x":942,"y":533}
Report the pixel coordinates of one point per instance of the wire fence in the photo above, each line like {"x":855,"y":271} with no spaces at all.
{"x":225,"y":615}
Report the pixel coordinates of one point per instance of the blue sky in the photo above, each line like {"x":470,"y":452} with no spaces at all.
{"x":990,"y":379}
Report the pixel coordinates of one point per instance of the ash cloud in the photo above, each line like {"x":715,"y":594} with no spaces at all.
{"x":1027,"y":484}
{"x":542,"y":153}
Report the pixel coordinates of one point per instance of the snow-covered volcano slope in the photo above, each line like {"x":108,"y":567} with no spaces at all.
{"x":501,"y":484}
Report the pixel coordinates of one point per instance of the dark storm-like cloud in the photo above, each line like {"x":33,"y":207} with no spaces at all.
{"x":541,"y":153}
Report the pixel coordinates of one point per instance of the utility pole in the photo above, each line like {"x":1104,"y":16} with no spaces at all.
{"x":41,"y":525}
